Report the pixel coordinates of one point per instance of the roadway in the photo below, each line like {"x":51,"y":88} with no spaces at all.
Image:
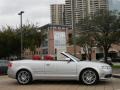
{"x":11,"y":84}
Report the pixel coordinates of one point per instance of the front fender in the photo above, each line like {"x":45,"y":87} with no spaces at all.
{"x":88,"y":67}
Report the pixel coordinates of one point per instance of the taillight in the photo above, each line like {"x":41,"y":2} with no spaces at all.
{"x":9,"y":65}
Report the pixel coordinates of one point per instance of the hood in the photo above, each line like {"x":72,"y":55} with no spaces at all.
{"x":93,"y":63}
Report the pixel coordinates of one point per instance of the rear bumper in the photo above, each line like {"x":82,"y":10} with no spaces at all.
{"x":11,"y":74}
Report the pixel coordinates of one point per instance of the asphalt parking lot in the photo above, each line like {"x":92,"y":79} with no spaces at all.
{"x":11,"y":84}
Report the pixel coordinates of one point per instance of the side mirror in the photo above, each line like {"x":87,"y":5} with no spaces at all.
{"x":68,"y":59}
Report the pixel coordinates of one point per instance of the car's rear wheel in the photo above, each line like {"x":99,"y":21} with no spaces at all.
{"x":89,"y":77}
{"x":24,"y":77}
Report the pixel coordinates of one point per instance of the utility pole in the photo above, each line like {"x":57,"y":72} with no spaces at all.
{"x":21,"y":12}
{"x":73,"y":25}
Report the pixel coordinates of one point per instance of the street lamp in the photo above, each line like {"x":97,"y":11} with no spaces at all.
{"x":73,"y":26}
{"x":20,"y":13}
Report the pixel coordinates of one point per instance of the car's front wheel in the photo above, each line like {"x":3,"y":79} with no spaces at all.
{"x":89,"y":77}
{"x":24,"y":77}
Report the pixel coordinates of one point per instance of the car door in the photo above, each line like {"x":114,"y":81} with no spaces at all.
{"x":66,"y":69}
{"x":60,"y":70}
{"x":38,"y":68}
{"x":50,"y":69}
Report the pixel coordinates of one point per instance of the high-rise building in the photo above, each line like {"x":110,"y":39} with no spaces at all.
{"x":57,"y":14}
{"x":83,"y":8}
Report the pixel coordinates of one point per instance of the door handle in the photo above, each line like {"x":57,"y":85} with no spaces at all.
{"x":48,"y":64}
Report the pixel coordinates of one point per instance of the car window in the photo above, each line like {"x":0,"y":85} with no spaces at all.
{"x":73,"y":57}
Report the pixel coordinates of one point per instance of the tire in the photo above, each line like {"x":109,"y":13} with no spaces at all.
{"x":24,"y":77}
{"x":89,"y":77}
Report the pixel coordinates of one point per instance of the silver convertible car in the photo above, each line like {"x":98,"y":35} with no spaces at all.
{"x":71,"y":68}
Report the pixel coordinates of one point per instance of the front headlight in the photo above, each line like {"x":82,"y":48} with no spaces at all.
{"x":106,"y":67}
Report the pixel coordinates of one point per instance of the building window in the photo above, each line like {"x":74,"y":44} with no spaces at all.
{"x":45,"y":51}
{"x":45,"y":43}
{"x":60,"y":39}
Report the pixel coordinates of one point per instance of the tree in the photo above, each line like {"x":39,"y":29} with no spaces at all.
{"x":87,"y":43}
{"x":105,"y":29}
{"x":9,"y":43}
{"x":32,"y":37}
{"x":10,"y":40}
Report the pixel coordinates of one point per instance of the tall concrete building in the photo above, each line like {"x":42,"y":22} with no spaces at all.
{"x":83,"y":8}
{"x":57,"y":14}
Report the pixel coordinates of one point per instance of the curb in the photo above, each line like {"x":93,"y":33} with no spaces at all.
{"x":116,"y":76}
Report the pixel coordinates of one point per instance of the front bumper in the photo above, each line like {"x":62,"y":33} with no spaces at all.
{"x":108,"y":76}
{"x":105,"y":74}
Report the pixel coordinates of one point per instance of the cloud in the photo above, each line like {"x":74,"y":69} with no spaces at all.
{"x":115,"y":5}
{"x":57,"y":1}
{"x":36,"y":11}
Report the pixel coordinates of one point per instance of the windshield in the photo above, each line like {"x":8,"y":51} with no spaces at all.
{"x":73,"y":57}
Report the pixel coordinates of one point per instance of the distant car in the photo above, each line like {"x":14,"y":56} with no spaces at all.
{"x":3,"y":67}
{"x":116,"y":59}
{"x":71,"y":68}
{"x":103,"y":59}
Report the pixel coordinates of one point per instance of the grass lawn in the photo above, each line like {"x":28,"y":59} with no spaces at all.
{"x":116,"y":66}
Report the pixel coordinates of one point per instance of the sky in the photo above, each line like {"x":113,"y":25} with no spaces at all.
{"x":36,"y":11}
{"x":115,"y":4}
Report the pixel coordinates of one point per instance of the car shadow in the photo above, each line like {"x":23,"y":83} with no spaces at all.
{"x":51,"y":82}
